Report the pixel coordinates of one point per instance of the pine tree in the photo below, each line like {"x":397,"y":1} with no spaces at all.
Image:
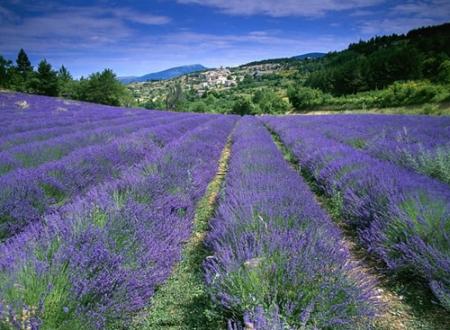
{"x":47,"y":79}
{"x":23,"y":63}
{"x":64,"y":74}
{"x":22,"y":75}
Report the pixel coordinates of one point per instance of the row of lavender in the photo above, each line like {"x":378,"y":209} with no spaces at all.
{"x":34,"y":153}
{"x":23,"y":113}
{"x":27,"y":194}
{"x":97,"y":260}
{"x":420,"y":143}
{"x":399,"y":215}
{"x":71,"y":163}
{"x":279,"y":262}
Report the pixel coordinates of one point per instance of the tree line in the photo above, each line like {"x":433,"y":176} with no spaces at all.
{"x":379,"y":62}
{"x":99,"y":87}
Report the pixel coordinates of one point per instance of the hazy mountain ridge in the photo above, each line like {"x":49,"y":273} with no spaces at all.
{"x":165,"y":74}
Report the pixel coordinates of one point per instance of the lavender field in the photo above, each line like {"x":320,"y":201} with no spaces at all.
{"x":293,"y":222}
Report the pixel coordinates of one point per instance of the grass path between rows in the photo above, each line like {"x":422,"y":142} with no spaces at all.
{"x":404,"y":306}
{"x":182,"y":301}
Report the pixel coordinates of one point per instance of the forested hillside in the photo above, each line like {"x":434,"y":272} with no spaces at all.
{"x":377,"y":63}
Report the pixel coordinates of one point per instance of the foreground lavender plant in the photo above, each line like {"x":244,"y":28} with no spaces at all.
{"x":401,"y":216}
{"x":98,"y":259}
{"x":278,"y":260}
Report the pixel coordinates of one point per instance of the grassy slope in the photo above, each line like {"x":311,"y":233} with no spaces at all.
{"x":182,"y":302}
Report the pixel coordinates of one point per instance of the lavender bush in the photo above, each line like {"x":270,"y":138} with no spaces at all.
{"x":97,"y":260}
{"x":35,"y":153}
{"x":401,"y":216}
{"x":420,"y":143}
{"x":28,"y":194}
{"x":278,"y":260}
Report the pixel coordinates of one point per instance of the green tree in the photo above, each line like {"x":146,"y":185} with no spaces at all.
{"x":46,"y":80}
{"x":267,"y":101}
{"x":444,"y":72}
{"x":198,"y":106}
{"x":175,"y":97}
{"x":5,"y":72}
{"x":154,"y":104}
{"x":23,"y":63}
{"x":305,"y":97}
{"x":242,"y":106}
{"x":66,"y":83}
{"x":22,"y":76}
{"x":103,"y":87}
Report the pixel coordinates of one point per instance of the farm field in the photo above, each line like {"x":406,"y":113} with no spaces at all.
{"x":119,"y":218}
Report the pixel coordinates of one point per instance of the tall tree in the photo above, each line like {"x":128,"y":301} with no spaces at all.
{"x":64,"y":74}
{"x":175,"y":97}
{"x":242,"y":106}
{"x":46,"y":80}
{"x":5,"y":71}
{"x":22,"y":76}
{"x":23,"y":63}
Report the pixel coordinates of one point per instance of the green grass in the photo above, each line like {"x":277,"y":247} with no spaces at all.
{"x":432,"y":163}
{"x":54,"y":193}
{"x":433,"y":109}
{"x":46,"y":295}
{"x":183,"y":302}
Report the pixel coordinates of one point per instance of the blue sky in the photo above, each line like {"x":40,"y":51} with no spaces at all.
{"x":137,"y":37}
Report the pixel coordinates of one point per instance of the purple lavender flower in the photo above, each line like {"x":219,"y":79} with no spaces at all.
{"x":399,"y":215}
{"x":278,"y":260}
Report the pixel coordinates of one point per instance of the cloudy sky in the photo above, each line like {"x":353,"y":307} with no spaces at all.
{"x":137,"y":37}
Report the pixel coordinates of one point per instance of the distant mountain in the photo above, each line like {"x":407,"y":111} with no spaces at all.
{"x":309,"y":56}
{"x":164,"y":75}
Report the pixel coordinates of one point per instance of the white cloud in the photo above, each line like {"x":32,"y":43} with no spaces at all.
{"x":212,"y":50}
{"x":231,"y":49}
{"x":279,"y":8}
{"x":138,"y":17}
{"x":426,"y":9}
{"x":406,"y":16}
{"x":72,"y":28}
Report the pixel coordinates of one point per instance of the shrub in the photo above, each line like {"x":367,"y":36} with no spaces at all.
{"x":444,"y":72}
{"x":242,"y":107}
{"x":410,"y":92}
{"x":305,"y":97}
{"x":269,"y":102}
